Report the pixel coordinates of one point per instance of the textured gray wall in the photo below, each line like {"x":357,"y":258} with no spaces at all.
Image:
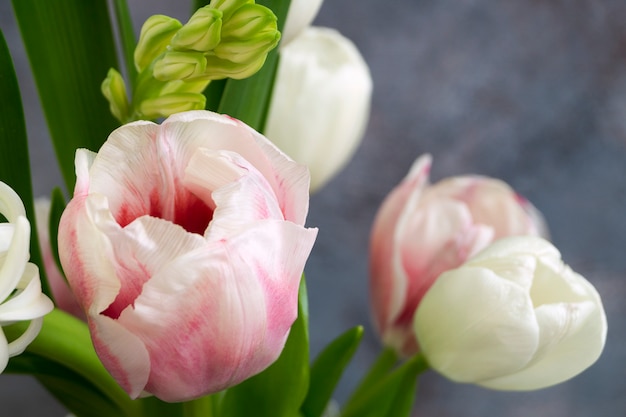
{"x":532,"y":92}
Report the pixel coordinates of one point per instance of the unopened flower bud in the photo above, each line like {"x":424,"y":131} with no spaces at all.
{"x":228,"y":7}
{"x":201,"y":33}
{"x":179,"y":66}
{"x":222,"y":68}
{"x":156,"y":34}
{"x":166,"y":105}
{"x":114,"y":90}
{"x":251,"y":32}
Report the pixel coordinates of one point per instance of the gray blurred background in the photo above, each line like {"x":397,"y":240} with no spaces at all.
{"x":532,"y":92}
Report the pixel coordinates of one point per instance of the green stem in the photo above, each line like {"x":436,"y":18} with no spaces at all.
{"x":65,"y":340}
{"x":201,"y":407}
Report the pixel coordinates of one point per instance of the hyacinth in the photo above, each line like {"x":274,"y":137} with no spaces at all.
{"x":21,"y":298}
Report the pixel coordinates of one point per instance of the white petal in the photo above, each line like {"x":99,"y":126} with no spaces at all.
{"x":473,"y":325}
{"x":321,"y":101}
{"x":16,"y":257}
{"x":29,"y":303}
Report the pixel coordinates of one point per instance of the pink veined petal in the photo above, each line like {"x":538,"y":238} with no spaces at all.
{"x":141,"y":249}
{"x":88,"y":262}
{"x":122,"y":353}
{"x":83,"y":160}
{"x":248,"y":307}
{"x":289,"y":181}
{"x":386,"y":289}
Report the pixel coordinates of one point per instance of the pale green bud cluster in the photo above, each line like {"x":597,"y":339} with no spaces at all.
{"x":175,"y":62}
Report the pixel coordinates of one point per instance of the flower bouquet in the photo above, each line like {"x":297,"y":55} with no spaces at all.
{"x":169,"y":279}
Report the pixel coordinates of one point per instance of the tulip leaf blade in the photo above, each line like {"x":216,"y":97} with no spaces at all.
{"x":57,"y":206}
{"x":70,"y":47}
{"x":327,"y":370}
{"x":258,"y":396}
{"x":76,"y":393}
{"x":14,"y":159}
{"x":66,"y":341}
{"x":390,"y":397}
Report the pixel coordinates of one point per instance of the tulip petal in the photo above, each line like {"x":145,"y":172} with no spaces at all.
{"x":238,"y":292}
{"x":122,"y":353}
{"x":191,"y":130}
{"x":387,"y":290}
{"x":474,"y":326}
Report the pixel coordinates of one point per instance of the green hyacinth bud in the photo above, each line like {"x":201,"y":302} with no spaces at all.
{"x":201,"y":33}
{"x":114,"y":90}
{"x":250,"y":33}
{"x":156,"y":34}
{"x":179,"y":66}
{"x":166,"y":105}
{"x":228,"y":7}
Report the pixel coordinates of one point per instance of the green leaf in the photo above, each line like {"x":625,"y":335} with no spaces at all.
{"x":71,"y":47}
{"x":279,"y":391}
{"x":76,"y":393}
{"x":57,"y":206}
{"x":390,"y":397}
{"x":127,"y":37}
{"x":327,"y":370}
{"x":248,"y":99}
{"x":384,"y":363}
{"x":65,"y":341}
{"x":14,"y":162}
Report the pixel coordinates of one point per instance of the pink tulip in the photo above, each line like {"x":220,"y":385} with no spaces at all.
{"x":422,"y":230}
{"x":184,"y":244}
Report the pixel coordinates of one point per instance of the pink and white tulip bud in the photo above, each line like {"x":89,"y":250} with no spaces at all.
{"x":299,"y":17}
{"x":21,"y":298}
{"x":185,"y":243}
{"x":513,"y":317}
{"x":321,"y":102}
{"x":422,"y":230}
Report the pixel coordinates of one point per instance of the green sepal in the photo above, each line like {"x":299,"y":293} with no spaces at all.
{"x":280,"y":390}
{"x":327,"y":370}
{"x":14,"y":160}
{"x":392,"y":396}
{"x":70,"y":47}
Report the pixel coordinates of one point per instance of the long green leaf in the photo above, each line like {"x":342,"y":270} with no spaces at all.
{"x":57,"y":206}
{"x":71,"y":47}
{"x":327,"y":370}
{"x":65,"y":340}
{"x":76,"y":393}
{"x":14,"y":163}
{"x":127,"y":37}
{"x":379,"y":369}
{"x":279,"y":391}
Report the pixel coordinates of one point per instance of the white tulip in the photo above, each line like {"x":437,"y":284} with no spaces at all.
{"x":514,"y":317}
{"x":300,"y":15}
{"x":321,"y":101}
{"x":21,"y":298}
